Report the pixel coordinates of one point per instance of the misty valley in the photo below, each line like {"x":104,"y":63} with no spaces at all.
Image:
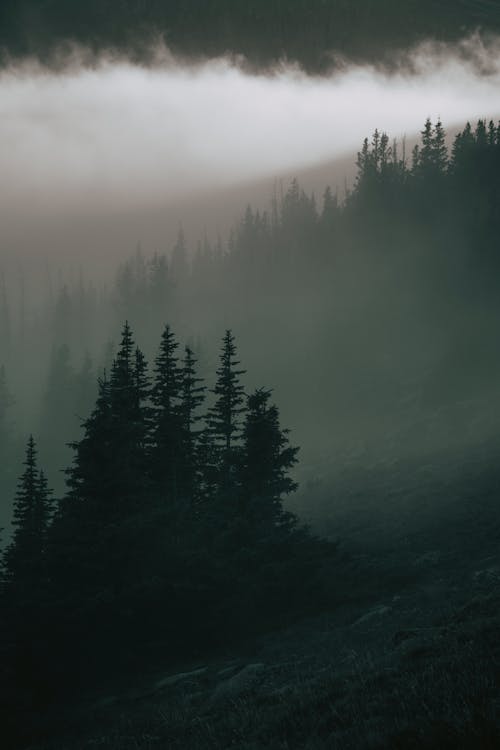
{"x":250,"y":487}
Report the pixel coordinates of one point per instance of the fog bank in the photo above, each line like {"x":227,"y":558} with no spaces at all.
{"x":114,"y":137}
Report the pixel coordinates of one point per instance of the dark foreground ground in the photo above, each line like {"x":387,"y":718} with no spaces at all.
{"x":408,"y":658}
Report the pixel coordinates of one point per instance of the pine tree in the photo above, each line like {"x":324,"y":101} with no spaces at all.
{"x":439,"y":149}
{"x":166,"y":396}
{"x":179,"y":264}
{"x":128,"y":390}
{"x":193,"y":396}
{"x":109,"y":470}
{"x":24,"y":563}
{"x":426,"y":153}
{"x":159,"y":286}
{"x":109,"y":494}
{"x":90,"y":477}
{"x":225,"y":415}
{"x":267,"y":461}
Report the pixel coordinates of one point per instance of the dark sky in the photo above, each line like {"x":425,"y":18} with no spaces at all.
{"x":262,"y":30}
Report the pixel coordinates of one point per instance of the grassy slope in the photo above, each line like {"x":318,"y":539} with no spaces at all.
{"x":409,"y":657}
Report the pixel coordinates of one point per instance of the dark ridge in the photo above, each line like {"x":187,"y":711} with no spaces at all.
{"x":311,"y":32}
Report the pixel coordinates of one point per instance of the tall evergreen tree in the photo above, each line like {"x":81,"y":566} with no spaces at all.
{"x":426,"y":153}
{"x":224,"y":417}
{"x":193,"y":396}
{"x":440,"y":150}
{"x":109,"y":468}
{"x":267,"y":461}
{"x":167,"y":439}
{"x":24,"y":562}
{"x":128,"y":390}
{"x":108,"y":486}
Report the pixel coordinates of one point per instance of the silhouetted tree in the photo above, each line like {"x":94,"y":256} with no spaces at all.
{"x":224,"y":416}
{"x":267,"y":461}
{"x":108,"y":485}
{"x":24,"y":563}
{"x":193,"y":396}
{"x":167,"y":437}
{"x":179,"y":264}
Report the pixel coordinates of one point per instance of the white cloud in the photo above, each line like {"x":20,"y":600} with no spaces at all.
{"x":114,"y":136}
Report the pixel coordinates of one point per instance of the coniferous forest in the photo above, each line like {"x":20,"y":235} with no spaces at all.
{"x":249,"y":479}
{"x":169,"y":530}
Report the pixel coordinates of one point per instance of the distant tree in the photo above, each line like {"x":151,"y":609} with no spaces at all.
{"x":6,"y":402}
{"x":179,"y":263}
{"x":63,"y":316}
{"x":329,"y":218}
{"x":159,"y":285}
{"x":5,"y":319}
{"x":85,"y":387}
{"x":431,"y":159}
{"x":440,"y":149}
{"x":426,"y":154}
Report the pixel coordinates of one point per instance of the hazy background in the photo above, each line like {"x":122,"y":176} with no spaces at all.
{"x":102,"y":154}
{"x":106,"y":154}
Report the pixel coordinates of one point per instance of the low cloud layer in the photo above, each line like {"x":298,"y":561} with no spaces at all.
{"x":113,"y":137}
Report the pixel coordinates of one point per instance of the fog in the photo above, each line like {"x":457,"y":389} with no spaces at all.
{"x":112,"y":146}
{"x":101,"y":154}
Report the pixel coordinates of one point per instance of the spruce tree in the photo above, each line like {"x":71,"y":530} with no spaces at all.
{"x":426,"y":153}
{"x":108,"y":486}
{"x":224,"y":417}
{"x":108,"y":474}
{"x":90,"y":476}
{"x":440,"y":150}
{"x":128,"y":391}
{"x":267,"y":461}
{"x":167,"y":439}
{"x":24,"y":562}
{"x":193,"y":396}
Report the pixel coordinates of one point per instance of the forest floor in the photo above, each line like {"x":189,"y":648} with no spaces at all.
{"x":409,"y":658}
